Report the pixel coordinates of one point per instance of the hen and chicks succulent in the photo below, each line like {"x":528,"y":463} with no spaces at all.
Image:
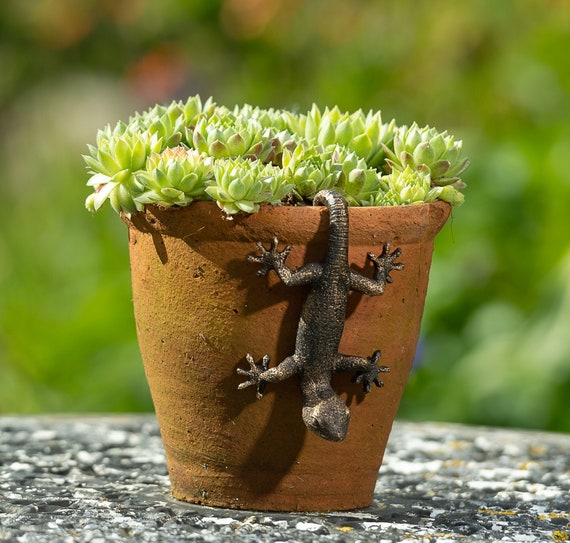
{"x":247,"y":156}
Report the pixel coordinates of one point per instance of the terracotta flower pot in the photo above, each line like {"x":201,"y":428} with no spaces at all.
{"x":200,"y":307}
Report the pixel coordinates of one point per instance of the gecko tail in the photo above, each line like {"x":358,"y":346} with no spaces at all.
{"x":337,"y":207}
{"x":335,"y":202}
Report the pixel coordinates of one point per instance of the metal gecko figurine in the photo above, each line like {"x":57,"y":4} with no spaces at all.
{"x":316,"y":355}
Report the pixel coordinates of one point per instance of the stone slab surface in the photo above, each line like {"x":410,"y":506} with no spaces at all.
{"x":103,"y":479}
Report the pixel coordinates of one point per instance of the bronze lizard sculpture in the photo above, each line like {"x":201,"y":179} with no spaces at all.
{"x":321,"y":325}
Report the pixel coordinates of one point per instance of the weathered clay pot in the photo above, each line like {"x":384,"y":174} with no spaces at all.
{"x":200,"y":307}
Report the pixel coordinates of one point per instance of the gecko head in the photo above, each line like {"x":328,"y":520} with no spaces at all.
{"x":328,"y":419}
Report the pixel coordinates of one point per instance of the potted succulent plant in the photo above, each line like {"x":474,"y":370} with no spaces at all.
{"x":228,"y":208}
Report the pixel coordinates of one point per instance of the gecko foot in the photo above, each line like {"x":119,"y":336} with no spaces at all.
{"x":386,"y":262}
{"x":370,"y":375}
{"x":254,"y":373}
{"x":271,"y":258}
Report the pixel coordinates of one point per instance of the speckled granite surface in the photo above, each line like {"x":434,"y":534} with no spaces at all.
{"x":102,"y":479}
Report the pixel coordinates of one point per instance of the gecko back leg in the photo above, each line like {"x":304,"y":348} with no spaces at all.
{"x":367,"y":369}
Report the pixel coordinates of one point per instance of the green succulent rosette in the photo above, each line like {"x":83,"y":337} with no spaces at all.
{"x":113,"y":163}
{"x":177,"y":176}
{"x":364,"y":134}
{"x":308,"y":170}
{"x":243,"y":185}
{"x":427,"y":149}
{"x":357,"y":180}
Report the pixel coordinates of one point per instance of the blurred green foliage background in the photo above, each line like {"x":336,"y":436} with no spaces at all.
{"x":495,"y":345}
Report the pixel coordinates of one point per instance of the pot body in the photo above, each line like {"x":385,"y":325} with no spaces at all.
{"x":200,"y":307}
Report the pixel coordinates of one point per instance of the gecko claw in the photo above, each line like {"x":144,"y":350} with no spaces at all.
{"x":270,"y":259}
{"x":386,"y":262}
{"x":255,"y":373}
{"x":370,"y":375}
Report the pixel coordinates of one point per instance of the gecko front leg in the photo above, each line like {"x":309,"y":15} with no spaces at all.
{"x":383,"y":265}
{"x":271,"y":259}
{"x":261,"y":374}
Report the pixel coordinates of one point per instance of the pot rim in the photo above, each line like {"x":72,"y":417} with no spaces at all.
{"x":292,"y":224}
